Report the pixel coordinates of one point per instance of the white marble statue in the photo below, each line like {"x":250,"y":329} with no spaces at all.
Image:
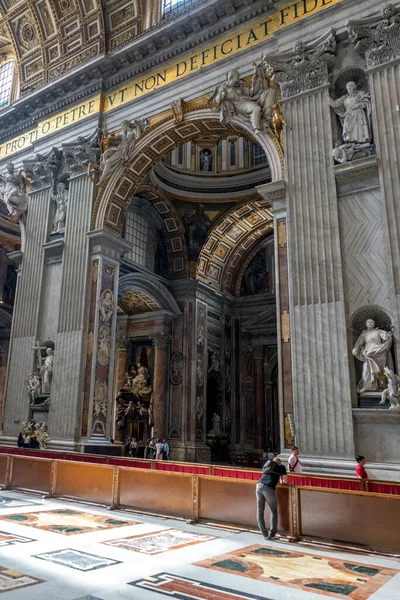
{"x":216,"y":421}
{"x":34,"y":386}
{"x":42,"y":436}
{"x":254,"y":102}
{"x":60,"y":197}
{"x":117,"y":156}
{"x":354,"y":111}
{"x":372,"y":348}
{"x":47,"y":371}
{"x":106,"y":306}
{"x":392,"y":392}
{"x":13,"y":192}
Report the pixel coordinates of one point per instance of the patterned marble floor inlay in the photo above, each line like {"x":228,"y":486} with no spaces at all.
{"x":67,"y":521}
{"x":159,"y":541}
{"x":10,"y":539}
{"x":13,"y":580}
{"x":76,"y":559}
{"x":320,"y":574}
{"x":182,"y":588}
{"x":10,"y":502}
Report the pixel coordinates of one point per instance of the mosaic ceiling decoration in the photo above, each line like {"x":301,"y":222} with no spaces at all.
{"x":51,"y":37}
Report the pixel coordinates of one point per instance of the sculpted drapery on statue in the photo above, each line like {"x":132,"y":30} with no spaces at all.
{"x":119,"y":155}
{"x":60,"y":197}
{"x":354,"y":111}
{"x":254,"y":102}
{"x":13,"y":191}
{"x":372,"y":348}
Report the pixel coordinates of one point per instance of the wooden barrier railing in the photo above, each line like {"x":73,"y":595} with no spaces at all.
{"x":346,"y":515}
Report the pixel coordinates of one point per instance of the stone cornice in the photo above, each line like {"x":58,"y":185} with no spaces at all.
{"x":208,"y":20}
{"x":104,"y":242}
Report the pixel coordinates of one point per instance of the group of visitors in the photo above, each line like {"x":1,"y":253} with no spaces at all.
{"x":274,"y":472}
{"x":154,"y":449}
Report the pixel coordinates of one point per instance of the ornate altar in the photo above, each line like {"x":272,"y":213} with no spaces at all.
{"x":133,"y":410}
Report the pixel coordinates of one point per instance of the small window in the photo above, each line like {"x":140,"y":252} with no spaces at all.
{"x":6,"y":83}
{"x":137,"y":233}
{"x":232,"y":154}
{"x":259,"y":156}
{"x":170,"y":6}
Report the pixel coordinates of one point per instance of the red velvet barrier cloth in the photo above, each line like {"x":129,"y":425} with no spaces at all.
{"x":334,"y":484}
{"x":120,"y":462}
{"x":167,"y":466}
{"x":237,"y":474}
{"x":383,"y":488}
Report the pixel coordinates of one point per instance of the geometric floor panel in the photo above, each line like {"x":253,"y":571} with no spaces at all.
{"x":10,"y":539}
{"x":76,"y":559}
{"x":319,"y":574}
{"x":66,"y":521}
{"x":10,"y":502}
{"x":161,"y":557}
{"x":12,"y":580}
{"x":182,"y":588}
{"x":159,"y":541}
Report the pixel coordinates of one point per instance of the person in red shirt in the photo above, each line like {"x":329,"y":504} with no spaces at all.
{"x":360,"y":471}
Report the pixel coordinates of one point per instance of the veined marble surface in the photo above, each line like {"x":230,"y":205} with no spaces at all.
{"x":193,"y":562}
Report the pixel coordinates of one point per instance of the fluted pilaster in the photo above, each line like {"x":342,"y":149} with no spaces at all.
{"x":26,"y":312}
{"x":64,"y":417}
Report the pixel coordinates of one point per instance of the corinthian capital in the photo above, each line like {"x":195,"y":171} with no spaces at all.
{"x":79,"y":154}
{"x":377,"y":37}
{"x":160,"y":340}
{"x":306,"y":67}
{"x":44,"y":169}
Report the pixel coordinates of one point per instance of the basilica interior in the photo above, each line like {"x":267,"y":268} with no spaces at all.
{"x":199,"y":299}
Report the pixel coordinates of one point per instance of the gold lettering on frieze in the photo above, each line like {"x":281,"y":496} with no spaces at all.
{"x":285,"y":326}
{"x":237,"y":41}
{"x":282,"y":234}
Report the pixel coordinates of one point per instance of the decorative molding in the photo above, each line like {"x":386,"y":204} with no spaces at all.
{"x":160,"y":340}
{"x":377,"y":38}
{"x":80,"y":154}
{"x":358,"y":175}
{"x":105,"y":242}
{"x":306,"y":67}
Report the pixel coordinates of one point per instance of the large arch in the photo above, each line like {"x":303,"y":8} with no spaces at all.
{"x":229,"y":242}
{"x":159,"y":139}
{"x":146,"y":294}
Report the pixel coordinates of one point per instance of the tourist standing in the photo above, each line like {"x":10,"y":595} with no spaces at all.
{"x":294,"y":463}
{"x":360,"y":470}
{"x":266,"y":493}
{"x":152,"y":449}
{"x":165,"y":449}
{"x":134,"y":448}
{"x":159,"y":449}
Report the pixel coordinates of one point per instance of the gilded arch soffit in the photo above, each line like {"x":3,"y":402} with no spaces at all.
{"x":52,"y":37}
{"x":228,"y":244}
{"x":173,"y":229}
{"x":159,"y":139}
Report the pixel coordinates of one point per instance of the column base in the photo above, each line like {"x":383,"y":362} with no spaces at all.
{"x":195,"y":452}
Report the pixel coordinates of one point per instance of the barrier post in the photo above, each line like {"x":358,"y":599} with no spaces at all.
{"x":9,"y":470}
{"x":53,"y":478}
{"x":115,"y":489}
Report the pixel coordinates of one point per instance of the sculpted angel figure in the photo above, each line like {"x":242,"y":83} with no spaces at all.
{"x":61,"y":200}
{"x":14,"y":193}
{"x":116,"y":156}
{"x":392,"y":392}
{"x":47,"y":371}
{"x":372,"y":348}
{"x":254,"y":102}
{"x":354,"y":111}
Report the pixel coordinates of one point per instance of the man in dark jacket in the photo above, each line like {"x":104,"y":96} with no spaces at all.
{"x":272,"y":473}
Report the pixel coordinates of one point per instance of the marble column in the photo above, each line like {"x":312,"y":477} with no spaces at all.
{"x":317,"y":328}
{"x":4,"y":348}
{"x":160,"y":343}
{"x":377,"y":40}
{"x":274,"y":194}
{"x":98,"y":404}
{"x":259,"y":398}
{"x":122,"y":356}
{"x":26,"y":311}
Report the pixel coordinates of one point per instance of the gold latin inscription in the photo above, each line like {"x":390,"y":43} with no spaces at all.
{"x":239,"y":40}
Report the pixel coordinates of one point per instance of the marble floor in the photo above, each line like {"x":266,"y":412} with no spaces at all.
{"x":70,"y":551}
